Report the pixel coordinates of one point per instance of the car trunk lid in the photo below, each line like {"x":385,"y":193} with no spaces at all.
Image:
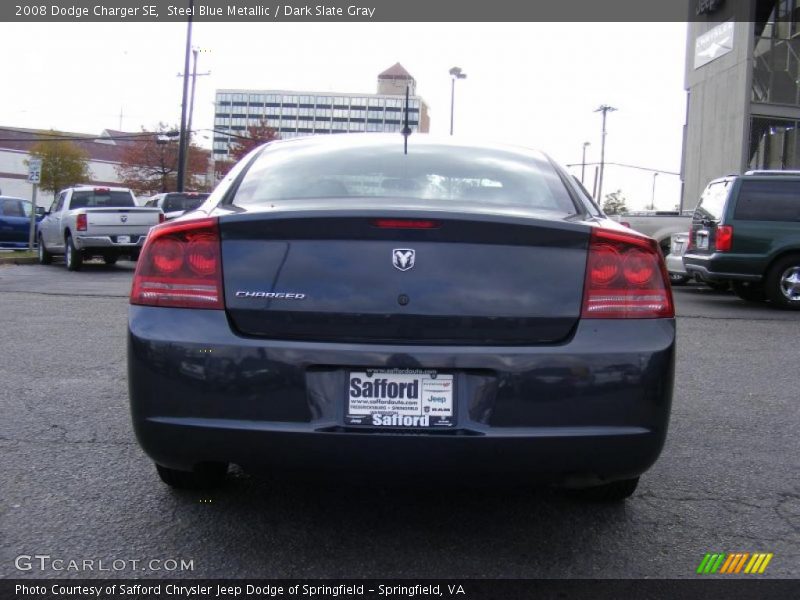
{"x":372,"y":277}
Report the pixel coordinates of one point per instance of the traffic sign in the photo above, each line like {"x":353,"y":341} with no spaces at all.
{"x":35,"y":170}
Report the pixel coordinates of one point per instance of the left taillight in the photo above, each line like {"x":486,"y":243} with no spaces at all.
{"x":724,"y":238}
{"x":625,"y":278}
{"x":180,"y":266}
{"x":80,"y":222}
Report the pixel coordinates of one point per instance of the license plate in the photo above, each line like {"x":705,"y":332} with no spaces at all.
{"x":702,"y":240}
{"x":123,"y":239}
{"x":400,"y":398}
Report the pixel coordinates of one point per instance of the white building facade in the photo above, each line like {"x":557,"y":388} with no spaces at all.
{"x":297,"y":113}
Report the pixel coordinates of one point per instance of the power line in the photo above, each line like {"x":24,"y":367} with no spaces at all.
{"x":616,"y":164}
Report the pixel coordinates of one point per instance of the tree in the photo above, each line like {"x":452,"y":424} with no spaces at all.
{"x":615,"y":203}
{"x":256,"y":135}
{"x":63,"y":163}
{"x":149,"y":163}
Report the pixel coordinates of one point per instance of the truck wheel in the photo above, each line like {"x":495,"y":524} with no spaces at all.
{"x":783,"y":283}
{"x":749,"y":291}
{"x":45,"y":258}
{"x":110,"y":259}
{"x":72,"y":256}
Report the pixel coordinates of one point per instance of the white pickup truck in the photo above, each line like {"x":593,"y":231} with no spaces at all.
{"x":659,"y":225}
{"x":87,"y":221}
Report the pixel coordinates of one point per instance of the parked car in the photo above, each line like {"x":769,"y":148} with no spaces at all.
{"x":174,"y":204}
{"x":674,"y":260}
{"x":15,"y":222}
{"x":401,"y":311}
{"x":660,"y":225}
{"x":746,"y":232}
{"x":87,"y":221}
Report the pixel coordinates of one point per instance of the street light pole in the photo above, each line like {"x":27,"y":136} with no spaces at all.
{"x":604,"y":108}
{"x":583,"y":160}
{"x":182,"y":147}
{"x":455,"y":73}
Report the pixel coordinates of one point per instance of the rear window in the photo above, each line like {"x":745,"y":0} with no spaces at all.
{"x":101,"y":199}
{"x":174,"y":202}
{"x":768,"y":201}
{"x":12,"y":207}
{"x":712,"y":202}
{"x":365,"y":168}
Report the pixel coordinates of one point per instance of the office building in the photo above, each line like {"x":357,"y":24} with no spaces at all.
{"x":742,"y":79}
{"x":299,"y":113}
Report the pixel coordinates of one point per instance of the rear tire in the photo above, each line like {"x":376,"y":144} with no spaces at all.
{"x":782,"y":284}
{"x":205,"y":477}
{"x":72,"y":257}
{"x":614,"y":491}
{"x":110,"y":259}
{"x":45,"y":258}
{"x":750,"y":291}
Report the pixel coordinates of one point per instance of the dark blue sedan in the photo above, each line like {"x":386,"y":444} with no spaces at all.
{"x":344,"y":303}
{"x":15,"y":222}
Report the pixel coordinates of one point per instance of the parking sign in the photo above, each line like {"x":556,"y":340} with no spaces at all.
{"x":35,"y":170}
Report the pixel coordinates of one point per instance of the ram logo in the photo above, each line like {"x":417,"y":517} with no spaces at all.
{"x":403,"y":258}
{"x":123,"y":218}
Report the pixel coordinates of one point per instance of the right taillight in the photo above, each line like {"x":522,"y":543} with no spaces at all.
{"x":625,"y":278}
{"x":180,"y":266}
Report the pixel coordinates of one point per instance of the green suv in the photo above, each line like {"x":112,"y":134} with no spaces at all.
{"x":746,"y":231}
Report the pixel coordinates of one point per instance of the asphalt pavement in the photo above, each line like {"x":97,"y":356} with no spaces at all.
{"x":76,"y":487}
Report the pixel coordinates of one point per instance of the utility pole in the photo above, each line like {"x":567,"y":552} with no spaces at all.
{"x":183,"y":145}
{"x":604,"y":108}
{"x":653,"y":197}
{"x":195,"y":75}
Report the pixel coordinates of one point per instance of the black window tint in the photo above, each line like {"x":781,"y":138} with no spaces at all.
{"x":712,"y":202}
{"x":12,"y":207}
{"x":101,"y":199}
{"x":768,"y":201}
{"x":175,"y":202}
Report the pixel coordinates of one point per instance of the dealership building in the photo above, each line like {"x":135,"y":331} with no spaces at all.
{"x":743,"y":84}
{"x":299,"y":113}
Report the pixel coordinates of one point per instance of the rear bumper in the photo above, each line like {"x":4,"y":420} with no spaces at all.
{"x":675,"y":264}
{"x":590,"y":410}
{"x":92,"y":242}
{"x":716,"y":268}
